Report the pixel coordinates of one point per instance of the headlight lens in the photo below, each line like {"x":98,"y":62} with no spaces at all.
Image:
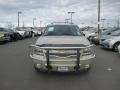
{"x":108,"y":40}
{"x":38,"y":52}
{"x":87,"y":51}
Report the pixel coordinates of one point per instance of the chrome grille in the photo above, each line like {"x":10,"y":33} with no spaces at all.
{"x":63,"y":54}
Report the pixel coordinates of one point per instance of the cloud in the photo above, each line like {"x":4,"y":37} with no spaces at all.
{"x":7,"y":1}
{"x":56,"y":10}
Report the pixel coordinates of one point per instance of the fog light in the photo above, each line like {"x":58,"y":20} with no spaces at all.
{"x":38,"y":65}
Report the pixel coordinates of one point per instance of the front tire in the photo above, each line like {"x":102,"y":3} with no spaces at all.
{"x":115,"y":47}
{"x":36,"y":68}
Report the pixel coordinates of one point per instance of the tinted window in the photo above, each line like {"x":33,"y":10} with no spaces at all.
{"x":110,"y":31}
{"x":1,"y":29}
{"x":62,"y":30}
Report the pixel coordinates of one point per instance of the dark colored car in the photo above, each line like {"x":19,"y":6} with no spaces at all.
{"x":14,"y":36}
{"x":4,"y":36}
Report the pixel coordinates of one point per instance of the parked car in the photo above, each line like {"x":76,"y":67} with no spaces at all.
{"x":22,"y":33}
{"x":112,"y":42}
{"x":14,"y":36}
{"x":104,"y":35}
{"x":36,"y":32}
{"x":107,"y":34}
{"x":119,"y":49}
{"x":90,"y":32}
{"x":62,"y":48}
{"x":4,"y":36}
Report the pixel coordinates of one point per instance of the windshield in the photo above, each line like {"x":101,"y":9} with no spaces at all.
{"x":6,"y":30}
{"x":62,"y":30}
{"x":116,"y":33}
{"x":1,"y":29}
{"x":109,"y":31}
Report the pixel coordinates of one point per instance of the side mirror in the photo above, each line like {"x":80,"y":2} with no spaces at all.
{"x":83,"y":34}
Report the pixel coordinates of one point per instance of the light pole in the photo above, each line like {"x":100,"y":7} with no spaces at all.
{"x":71,"y":13}
{"x":99,"y":31}
{"x":34,"y":22}
{"x":19,"y":19}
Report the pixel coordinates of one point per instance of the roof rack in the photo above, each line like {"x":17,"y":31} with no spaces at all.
{"x":61,"y":23}
{"x":67,"y":23}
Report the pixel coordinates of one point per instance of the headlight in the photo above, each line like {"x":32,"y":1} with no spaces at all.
{"x":86,"y":51}
{"x":108,"y":40}
{"x":37,"y":51}
{"x":95,"y":37}
{"x":6,"y":35}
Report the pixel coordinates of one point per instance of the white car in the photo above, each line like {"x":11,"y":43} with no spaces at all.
{"x":36,"y":32}
{"x":62,"y":48}
{"x":22,"y":33}
{"x":90,"y":32}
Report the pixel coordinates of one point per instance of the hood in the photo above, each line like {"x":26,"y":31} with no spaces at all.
{"x":115,"y":37}
{"x":62,"y":40}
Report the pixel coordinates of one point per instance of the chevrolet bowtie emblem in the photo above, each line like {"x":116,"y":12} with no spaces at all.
{"x":61,"y":52}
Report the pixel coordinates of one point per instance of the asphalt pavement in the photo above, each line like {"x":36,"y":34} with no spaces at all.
{"x":17,"y":72}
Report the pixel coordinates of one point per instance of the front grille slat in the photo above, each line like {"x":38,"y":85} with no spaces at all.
{"x":62,"y":55}
{"x":69,"y":54}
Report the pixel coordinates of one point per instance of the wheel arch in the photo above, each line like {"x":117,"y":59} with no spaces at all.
{"x":118,"y":42}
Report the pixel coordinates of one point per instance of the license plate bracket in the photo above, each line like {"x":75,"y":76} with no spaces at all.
{"x":62,"y":68}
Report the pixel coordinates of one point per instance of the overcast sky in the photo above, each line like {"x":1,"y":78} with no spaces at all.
{"x":56,"y":10}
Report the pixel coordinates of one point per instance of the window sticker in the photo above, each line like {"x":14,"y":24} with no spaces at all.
{"x":51,"y":29}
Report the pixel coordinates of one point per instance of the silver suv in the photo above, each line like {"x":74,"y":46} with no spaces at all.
{"x":62,"y":48}
{"x":112,"y":41}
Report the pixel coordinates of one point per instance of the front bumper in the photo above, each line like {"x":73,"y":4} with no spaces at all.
{"x":105,"y":45}
{"x":70,"y":64}
{"x":2,"y":39}
{"x":69,"y":61}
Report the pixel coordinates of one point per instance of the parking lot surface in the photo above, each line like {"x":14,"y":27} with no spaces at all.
{"x":17,"y":72}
